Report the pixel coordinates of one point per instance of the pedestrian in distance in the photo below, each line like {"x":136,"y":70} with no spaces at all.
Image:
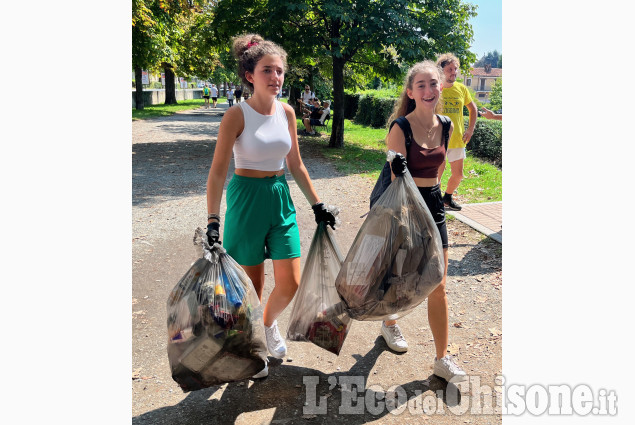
{"x":238,"y":93}
{"x":260,"y":221}
{"x":419,"y":103}
{"x":230,"y":96}
{"x":206,"y":93}
{"x":455,"y":96}
{"x":214,"y":95}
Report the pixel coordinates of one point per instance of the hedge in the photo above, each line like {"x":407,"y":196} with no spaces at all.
{"x":373,"y":111}
{"x":487,"y":140}
{"x":351,"y":101}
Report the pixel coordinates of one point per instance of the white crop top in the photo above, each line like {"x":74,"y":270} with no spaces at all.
{"x":265,"y":140}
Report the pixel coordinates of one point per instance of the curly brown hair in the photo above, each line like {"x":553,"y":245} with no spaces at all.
{"x":447,"y":58}
{"x":249,"y":49}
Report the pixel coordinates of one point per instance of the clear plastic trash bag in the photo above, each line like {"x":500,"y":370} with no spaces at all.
{"x":318,"y":314}
{"x":215,"y":325}
{"x":396,"y":260}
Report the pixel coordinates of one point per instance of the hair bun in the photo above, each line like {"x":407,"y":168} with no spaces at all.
{"x":244,"y":42}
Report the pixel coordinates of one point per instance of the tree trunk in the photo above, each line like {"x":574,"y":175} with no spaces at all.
{"x":138,"y":82}
{"x":337,"y":110}
{"x":293,"y":95}
{"x":170,"y":87}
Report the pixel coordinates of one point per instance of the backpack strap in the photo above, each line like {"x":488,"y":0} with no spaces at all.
{"x":446,"y":128}
{"x":404,"y":124}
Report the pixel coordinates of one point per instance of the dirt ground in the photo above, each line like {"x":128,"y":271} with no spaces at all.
{"x":170,"y":162}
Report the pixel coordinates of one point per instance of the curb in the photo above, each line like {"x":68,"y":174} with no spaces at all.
{"x":477,"y":226}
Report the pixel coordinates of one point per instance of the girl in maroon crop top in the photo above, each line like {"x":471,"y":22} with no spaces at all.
{"x":419,"y":102}
{"x":424,"y":162}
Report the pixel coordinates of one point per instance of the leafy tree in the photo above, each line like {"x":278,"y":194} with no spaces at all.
{"x":159,"y":37}
{"x":145,"y":49}
{"x":380,"y":37}
{"x":496,"y":96}
{"x":490,"y":58}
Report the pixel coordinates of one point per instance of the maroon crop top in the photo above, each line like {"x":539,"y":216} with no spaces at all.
{"x":424,"y":162}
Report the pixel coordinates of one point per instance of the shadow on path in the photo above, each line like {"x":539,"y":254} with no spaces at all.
{"x":285,"y":391}
{"x":484,"y":257}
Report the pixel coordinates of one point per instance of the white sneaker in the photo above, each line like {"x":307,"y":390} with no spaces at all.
{"x":263,"y":373}
{"x":446,"y":368}
{"x":393,"y":337}
{"x":275,"y":342}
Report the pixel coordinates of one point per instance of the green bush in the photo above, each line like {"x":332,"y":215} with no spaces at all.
{"x":364,"y":108}
{"x":351,"y":101}
{"x":373,"y":111}
{"x":382,"y":108}
{"x":487,"y":140}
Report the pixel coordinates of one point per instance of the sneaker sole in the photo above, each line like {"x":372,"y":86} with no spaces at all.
{"x":456,"y":378}
{"x":447,"y":207}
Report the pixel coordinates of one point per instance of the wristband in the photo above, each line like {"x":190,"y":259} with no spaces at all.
{"x":211,"y":216}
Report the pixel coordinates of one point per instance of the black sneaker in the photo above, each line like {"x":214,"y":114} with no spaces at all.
{"x":450,"y":204}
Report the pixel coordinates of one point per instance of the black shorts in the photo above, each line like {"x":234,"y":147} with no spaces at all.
{"x":205,"y":97}
{"x":214,"y":99}
{"x":434,"y":200}
{"x":315,"y":121}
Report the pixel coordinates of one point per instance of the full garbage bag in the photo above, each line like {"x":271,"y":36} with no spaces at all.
{"x":215,"y":325}
{"x":396,"y":260}
{"x":318,"y":314}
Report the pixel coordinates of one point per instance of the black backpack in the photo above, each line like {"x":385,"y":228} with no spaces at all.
{"x":384,"y":179}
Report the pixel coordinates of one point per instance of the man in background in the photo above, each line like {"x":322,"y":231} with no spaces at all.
{"x":455,"y":96}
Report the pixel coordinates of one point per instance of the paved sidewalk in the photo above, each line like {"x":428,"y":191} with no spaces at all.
{"x":487,"y":218}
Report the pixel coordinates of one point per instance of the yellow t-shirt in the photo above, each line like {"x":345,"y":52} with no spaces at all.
{"x":454,"y":98}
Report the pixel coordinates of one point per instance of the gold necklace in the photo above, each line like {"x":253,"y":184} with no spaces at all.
{"x":428,"y":132}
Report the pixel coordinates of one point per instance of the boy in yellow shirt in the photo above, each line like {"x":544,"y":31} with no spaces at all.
{"x":455,"y":96}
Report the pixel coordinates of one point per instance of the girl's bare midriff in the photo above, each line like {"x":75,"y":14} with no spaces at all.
{"x":245,"y":172}
{"x":425,"y":182}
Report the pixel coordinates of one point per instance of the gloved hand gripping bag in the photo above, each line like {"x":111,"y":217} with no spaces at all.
{"x":215,"y":325}
{"x":396,"y":259}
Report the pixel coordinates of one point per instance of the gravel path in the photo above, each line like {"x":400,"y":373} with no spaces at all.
{"x":170,"y":161}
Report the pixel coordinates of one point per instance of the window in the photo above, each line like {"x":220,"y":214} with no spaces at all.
{"x":469,"y":82}
{"x":481,"y":95}
{"x":482,"y":83}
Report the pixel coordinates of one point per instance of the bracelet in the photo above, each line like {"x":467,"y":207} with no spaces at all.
{"x":211,"y":216}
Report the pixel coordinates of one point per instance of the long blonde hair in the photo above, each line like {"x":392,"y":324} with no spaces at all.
{"x":404,"y":105}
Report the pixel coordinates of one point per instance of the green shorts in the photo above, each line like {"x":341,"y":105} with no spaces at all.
{"x":260,"y":220}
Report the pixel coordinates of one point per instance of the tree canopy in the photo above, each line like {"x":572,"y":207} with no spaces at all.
{"x":378,"y":38}
{"x":345,"y":42}
{"x":494,"y":59}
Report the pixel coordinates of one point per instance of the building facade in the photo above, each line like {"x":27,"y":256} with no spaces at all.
{"x":481,"y":80}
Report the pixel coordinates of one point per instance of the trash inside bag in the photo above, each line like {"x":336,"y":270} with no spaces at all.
{"x":215,"y":326}
{"x":318,"y":314}
{"x":396,"y":260}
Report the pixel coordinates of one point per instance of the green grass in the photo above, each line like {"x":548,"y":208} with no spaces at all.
{"x":364,"y":154}
{"x":152,"y":111}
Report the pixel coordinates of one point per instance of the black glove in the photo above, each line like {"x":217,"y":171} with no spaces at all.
{"x":322,"y":214}
{"x":399,"y":165}
{"x":213,"y":233}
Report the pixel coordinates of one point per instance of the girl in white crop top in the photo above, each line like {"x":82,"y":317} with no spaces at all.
{"x":262,"y":134}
